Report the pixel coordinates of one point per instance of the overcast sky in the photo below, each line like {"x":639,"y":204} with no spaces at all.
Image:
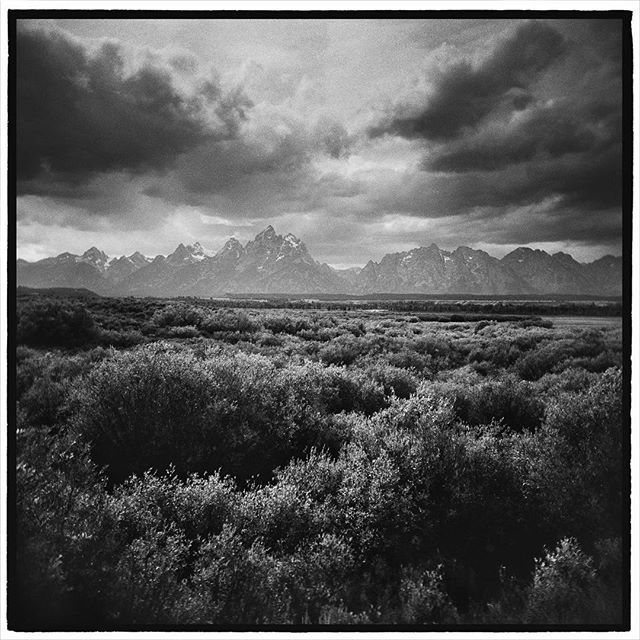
{"x":362,"y":137}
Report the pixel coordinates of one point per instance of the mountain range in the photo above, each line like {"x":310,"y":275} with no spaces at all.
{"x":271,"y":263}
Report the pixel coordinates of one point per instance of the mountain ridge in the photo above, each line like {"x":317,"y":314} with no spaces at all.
{"x":272,"y":263}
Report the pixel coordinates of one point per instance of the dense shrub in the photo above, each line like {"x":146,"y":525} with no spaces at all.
{"x":158,"y":406}
{"x":122,"y":338}
{"x":178,"y":315}
{"x":44,"y":380}
{"x":318,"y":468}
{"x":286,"y":324}
{"x":148,"y":581}
{"x":394,"y":380}
{"x":576,"y":460}
{"x":185,"y":331}
{"x":481,"y":325}
{"x":195,"y":507}
{"x":588,"y":350}
{"x":236,"y":582}
{"x":342,"y":350}
{"x":535,"y":364}
{"x":62,"y":522}
{"x":155,"y":407}
{"x":509,"y":400}
{"x":497,"y":354}
{"x":51,"y":323}
{"x":423,"y":599}
{"x":228,"y":320}
{"x":563,"y":587}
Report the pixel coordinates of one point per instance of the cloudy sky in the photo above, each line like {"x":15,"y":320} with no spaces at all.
{"x":362,"y":137}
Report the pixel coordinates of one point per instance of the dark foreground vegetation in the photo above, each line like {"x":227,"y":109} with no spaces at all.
{"x":180,"y":463}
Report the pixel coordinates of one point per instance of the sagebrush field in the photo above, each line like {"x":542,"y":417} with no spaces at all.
{"x":184,"y":462}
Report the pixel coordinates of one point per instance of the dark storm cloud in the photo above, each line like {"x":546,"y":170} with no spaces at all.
{"x":219,"y":166}
{"x":87,"y":114}
{"x":556,"y":149}
{"x":465,"y":94}
{"x":554,"y":226}
{"x":80,"y":113}
{"x":513,"y":137}
{"x":567,"y":150}
{"x":604,"y":37}
{"x":268,"y":170}
{"x":549,"y":131}
{"x":333,"y":139}
{"x":587,"y":182}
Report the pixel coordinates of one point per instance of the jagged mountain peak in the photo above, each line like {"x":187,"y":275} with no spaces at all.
{"x":526,"y":252}
{"x":231,"y":243}
{"x":123,"y":266}
{"x":95,"y":257}
{"x":292,"y":243}
{"x":197,"y":249}
{"x":270,"y":250}
{"x":609,"y":260}
{"x":137,"y":258}
{"x":188,"y":254}
{"x":564,"y":257}
{"x":94,"y":251}
{"x":180,"y":255}
{"x":292,"y":240}
{"x":267,"y":239}
{"x":232,"y":250}
{"x":427,"y":248}
{"x":272,"y":263}
{"x":268,"y":234}
{"x":469,"y":253}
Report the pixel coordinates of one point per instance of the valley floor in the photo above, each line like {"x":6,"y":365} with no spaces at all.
{"x":183,"y":462}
